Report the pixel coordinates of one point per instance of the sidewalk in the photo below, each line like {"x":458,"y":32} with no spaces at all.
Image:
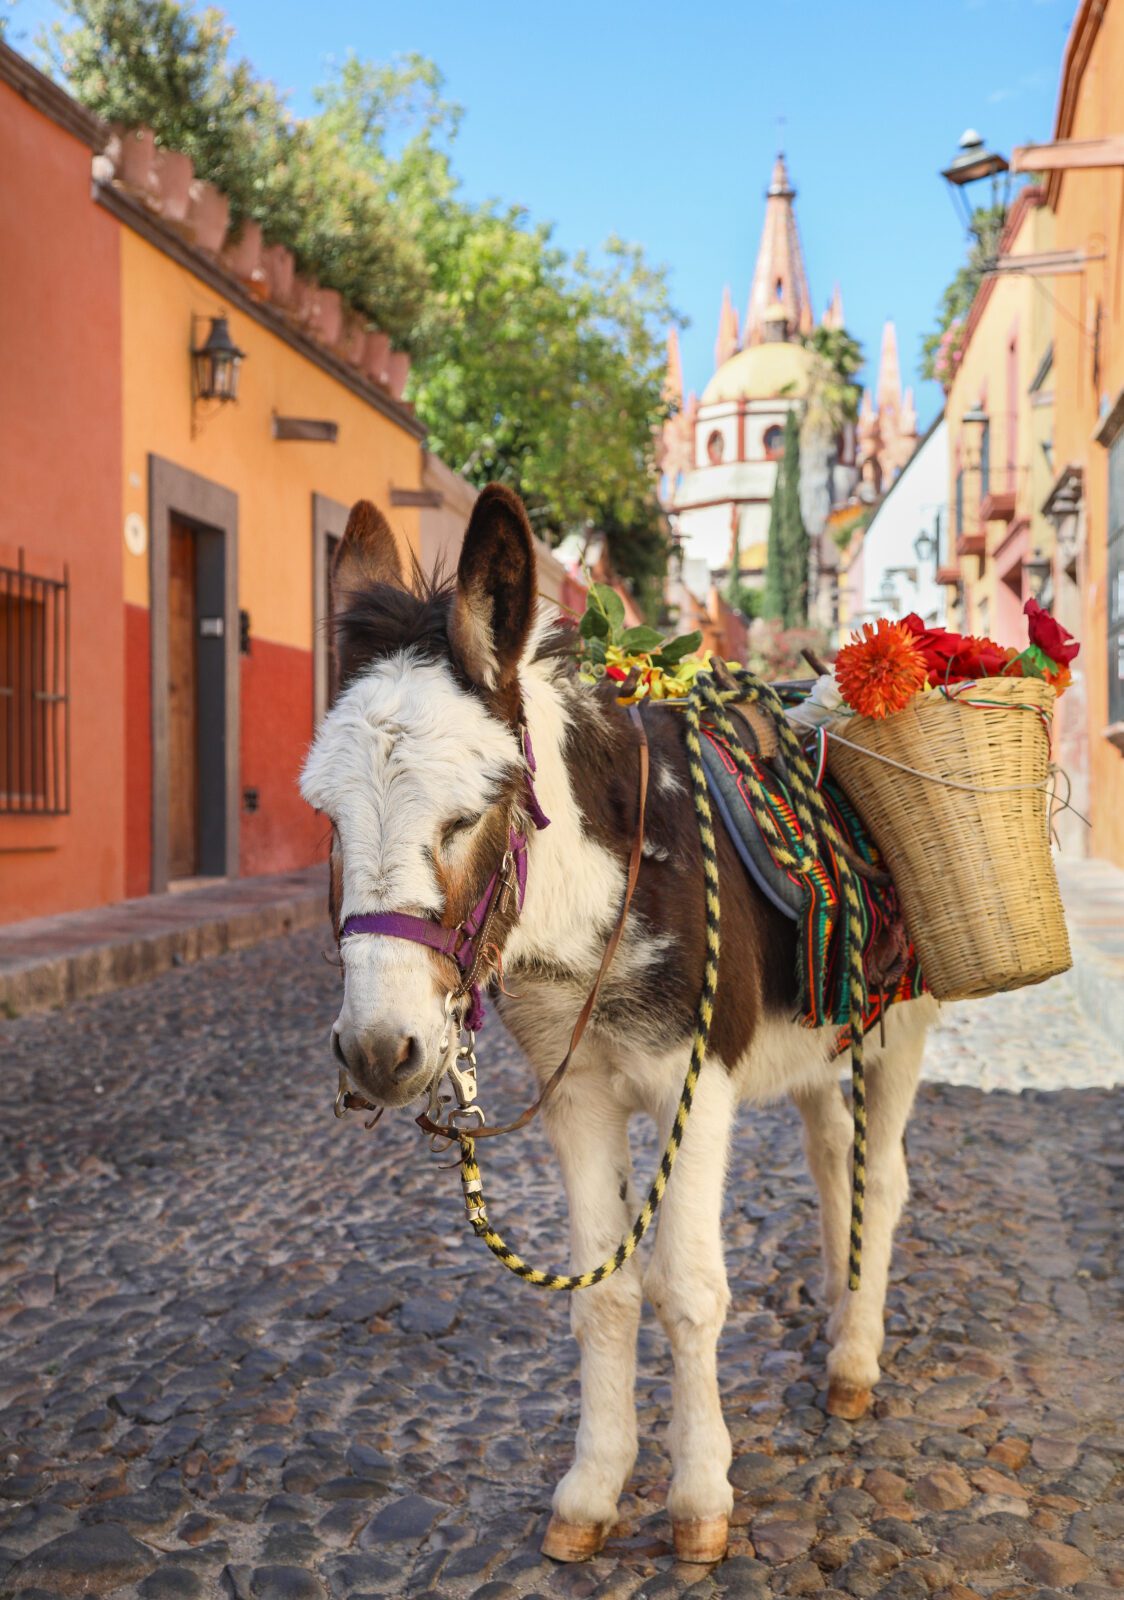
{"x":1093,"y":892}
{"x":51,"y":960}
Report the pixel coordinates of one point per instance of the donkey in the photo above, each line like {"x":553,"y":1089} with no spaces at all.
{"x":421,"y":766}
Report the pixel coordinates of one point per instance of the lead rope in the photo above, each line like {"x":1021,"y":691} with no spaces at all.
{"x":812,"y":813}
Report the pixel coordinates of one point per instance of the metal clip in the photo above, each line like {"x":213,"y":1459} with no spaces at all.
{"x":463,"y":1079}
{"x":340,"y":1105}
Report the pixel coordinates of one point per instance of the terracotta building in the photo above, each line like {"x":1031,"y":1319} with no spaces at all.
{"x":164,"y":656}
{"x":1000,"y":415}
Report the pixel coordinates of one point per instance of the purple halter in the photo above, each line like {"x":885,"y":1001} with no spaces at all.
{"x":461,"y":942}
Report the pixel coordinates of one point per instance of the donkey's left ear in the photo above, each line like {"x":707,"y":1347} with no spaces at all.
{"x":367,"y":554}
{"x":494,"y":601}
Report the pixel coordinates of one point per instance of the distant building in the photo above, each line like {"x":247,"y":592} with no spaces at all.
{"x":719,"y":454}
{"x":890,"y":567}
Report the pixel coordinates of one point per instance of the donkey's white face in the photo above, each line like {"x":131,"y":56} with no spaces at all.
{"x":408,"y":766}
{"x":417,"y":765}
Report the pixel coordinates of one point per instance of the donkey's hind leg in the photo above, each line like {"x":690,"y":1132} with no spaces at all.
{"x":856,"y":1326}
{"x":589,"y":1132}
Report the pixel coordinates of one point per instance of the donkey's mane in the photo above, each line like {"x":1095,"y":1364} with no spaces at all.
{"x":386,"y":619}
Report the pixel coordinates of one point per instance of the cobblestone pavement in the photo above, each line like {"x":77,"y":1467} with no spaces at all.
{"x":248,"y":1351}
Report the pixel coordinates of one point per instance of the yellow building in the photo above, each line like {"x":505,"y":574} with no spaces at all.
{"x":1084,"y":167}
{"x":999,"y":412}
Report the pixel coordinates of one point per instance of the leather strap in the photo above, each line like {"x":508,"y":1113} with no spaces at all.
{"x":634,"y":859}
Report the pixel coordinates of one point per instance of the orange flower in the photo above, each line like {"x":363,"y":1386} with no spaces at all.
{"x":881,"y":670}
{"x":1061,"y":679}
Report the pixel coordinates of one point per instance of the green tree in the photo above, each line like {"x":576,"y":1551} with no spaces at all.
{"x":160,"y":63}
{"x":956,"y":301}
{"x":786,"y":563}
{"x":832,"y":398}
{"x":538,"y":369}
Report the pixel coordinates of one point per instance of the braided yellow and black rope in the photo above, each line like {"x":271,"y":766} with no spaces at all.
{"x":706,"y":697}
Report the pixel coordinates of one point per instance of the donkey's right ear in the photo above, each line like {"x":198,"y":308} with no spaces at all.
{"x":368,"y":553}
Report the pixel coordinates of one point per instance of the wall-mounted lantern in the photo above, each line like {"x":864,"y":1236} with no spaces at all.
{"x":971,"y":164}
{"x":215,"y":364}
{"x":924,"y":547}
{"x":1038,"y":571}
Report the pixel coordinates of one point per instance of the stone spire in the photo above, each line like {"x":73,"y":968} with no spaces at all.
{"x":673,"y":379}
{"x":833,"y":316}
{"x":907,"y":421}
{"x":779,"y":279}
{"x":889,"y":392}
{"x":726,"y":343}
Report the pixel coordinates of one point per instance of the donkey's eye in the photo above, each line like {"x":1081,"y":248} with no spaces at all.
{"x":459,"y":825}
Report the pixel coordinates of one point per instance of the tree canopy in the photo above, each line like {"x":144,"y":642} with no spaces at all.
{"x":940,"y":347}
{"x":530,"y":366}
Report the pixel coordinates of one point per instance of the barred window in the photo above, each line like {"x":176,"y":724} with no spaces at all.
{"x":34,"y":692}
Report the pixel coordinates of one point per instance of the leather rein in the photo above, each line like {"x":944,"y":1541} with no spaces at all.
{"x":468,"y":944}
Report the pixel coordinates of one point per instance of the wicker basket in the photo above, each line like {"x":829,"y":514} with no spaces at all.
{"x":973,"y":870}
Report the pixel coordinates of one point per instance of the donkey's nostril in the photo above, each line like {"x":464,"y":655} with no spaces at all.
{"x":376,"y":1057}
{"x":409,"y":1058}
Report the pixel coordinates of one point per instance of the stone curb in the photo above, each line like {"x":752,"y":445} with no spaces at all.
{"x":119,"y":963}
{"x":1096,"y":981}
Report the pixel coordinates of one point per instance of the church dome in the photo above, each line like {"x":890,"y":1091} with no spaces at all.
{"x":763,"y":372}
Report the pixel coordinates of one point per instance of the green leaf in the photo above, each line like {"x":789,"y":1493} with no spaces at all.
{"x":609,"y":603}
{"x":597,"y":651}
{"x":686,"y":645}
{"x":593,"y":625}
{"x":640,"y":640}
{"x":1035,"y":662}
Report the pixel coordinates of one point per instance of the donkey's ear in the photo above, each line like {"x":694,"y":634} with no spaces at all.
{"x":494,"y":602}
{"x":368,"y":553}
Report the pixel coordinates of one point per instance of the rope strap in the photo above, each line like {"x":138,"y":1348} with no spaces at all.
{"x":707,"y":698}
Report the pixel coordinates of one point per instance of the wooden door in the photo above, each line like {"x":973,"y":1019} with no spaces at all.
{"x":183,"y":706}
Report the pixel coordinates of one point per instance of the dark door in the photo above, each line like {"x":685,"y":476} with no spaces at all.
{"x":183,"y":705}
{"x":197,"y":778}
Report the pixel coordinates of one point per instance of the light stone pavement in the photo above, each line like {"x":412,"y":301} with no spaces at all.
{"x":248,"y":1351}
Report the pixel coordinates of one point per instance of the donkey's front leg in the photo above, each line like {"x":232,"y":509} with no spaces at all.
{"x":687,"y":1285}
{"x":589,"y":1131}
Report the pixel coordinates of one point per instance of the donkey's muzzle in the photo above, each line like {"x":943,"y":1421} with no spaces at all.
{"x":387,"y":1065}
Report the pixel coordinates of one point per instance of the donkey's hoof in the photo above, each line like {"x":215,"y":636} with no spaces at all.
{"x":847,"y":1401}
{"x":573,"y":1541}
{"x":703,"y":1540}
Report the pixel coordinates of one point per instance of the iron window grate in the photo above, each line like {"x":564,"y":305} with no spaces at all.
{"x":34,"y":692}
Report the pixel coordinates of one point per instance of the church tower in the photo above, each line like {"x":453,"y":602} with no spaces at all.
{"x":780,"y":306}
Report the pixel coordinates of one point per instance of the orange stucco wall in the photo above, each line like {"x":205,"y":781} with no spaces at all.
{"x":1089,"y":375}
{"x":274,"y":481}
{"x":233,"y":444}
{"x":60,"y":454}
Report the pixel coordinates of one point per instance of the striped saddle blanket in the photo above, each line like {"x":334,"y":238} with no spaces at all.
{"x":813,"y":900}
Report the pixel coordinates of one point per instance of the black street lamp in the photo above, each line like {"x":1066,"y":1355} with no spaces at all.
{"x":215,"y":364}
{"x":974,"y":162}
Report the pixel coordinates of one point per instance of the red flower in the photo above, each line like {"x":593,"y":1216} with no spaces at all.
{"x":950,"y":658}
{"x":618,"y":674}
{"x":1049,"y":635}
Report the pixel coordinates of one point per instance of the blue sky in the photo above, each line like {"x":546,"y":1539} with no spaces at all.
{"x":659,"y":122}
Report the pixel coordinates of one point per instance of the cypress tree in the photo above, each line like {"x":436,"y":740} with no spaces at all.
{"x":786,"y":564}
{"x":794,"y":534}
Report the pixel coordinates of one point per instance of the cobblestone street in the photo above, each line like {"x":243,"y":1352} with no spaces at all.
{"x":250,"y":1351}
